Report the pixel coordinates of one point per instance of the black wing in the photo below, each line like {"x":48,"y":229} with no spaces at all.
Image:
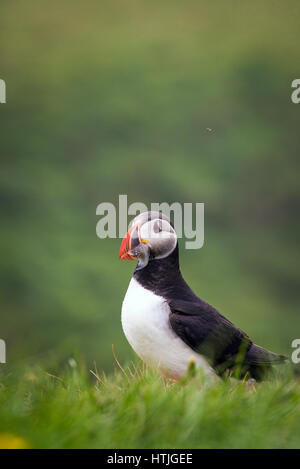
{"x":209,"y":333}
{"x":225,"y":346}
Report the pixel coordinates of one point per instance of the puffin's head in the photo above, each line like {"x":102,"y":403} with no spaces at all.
{"x":151,"y":236}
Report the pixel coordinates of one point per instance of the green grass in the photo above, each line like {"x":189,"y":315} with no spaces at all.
{"x":139,"y":410}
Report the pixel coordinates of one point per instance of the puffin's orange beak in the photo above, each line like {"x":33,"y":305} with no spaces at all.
{"x":126,"y":246}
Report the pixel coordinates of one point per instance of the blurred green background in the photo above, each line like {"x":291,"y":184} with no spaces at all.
{"x":114,"y":97}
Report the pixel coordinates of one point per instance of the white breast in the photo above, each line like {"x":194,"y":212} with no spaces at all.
{"x":145,"y":321}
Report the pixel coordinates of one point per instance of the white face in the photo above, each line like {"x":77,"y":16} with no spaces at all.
{"x":160,"y":236}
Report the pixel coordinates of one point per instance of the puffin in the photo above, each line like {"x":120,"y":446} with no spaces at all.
{"x":167,"y":324}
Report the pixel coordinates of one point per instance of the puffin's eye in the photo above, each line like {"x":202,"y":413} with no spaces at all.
{"x":157,"y":227}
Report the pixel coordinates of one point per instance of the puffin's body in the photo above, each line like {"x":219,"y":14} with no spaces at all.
{"x":146,"y":324}
{"x":167,"y":324}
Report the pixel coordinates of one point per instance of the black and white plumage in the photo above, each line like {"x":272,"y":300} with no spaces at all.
{"x":166,"y":323}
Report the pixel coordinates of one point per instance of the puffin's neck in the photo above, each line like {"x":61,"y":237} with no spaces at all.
{"x":163,"y":277}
